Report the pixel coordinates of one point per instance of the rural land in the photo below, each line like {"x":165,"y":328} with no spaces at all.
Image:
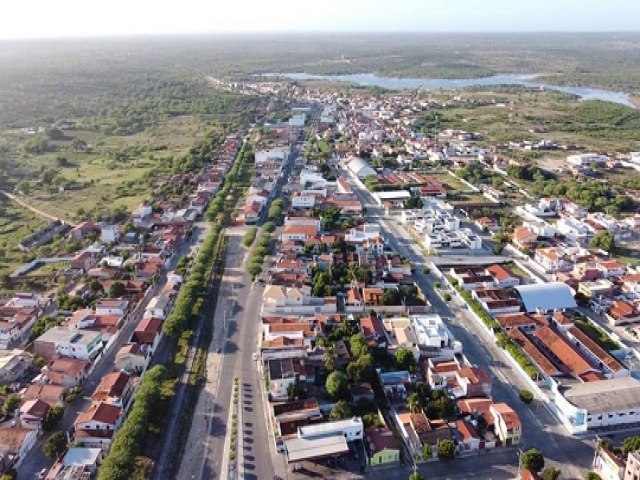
{"x":386,"y":256}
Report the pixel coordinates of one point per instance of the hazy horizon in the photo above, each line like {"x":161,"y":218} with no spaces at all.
{"x":42,"y":19}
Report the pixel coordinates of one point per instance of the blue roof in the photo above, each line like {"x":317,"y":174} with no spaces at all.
{"x":546,"y":297}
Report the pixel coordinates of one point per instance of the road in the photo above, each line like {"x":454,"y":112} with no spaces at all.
{"x":36,"y":459}
{"x":540,"y":428}
{"x":35,"y":210}
{"x":236,"y":332}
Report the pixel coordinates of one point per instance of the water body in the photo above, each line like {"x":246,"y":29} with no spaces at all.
{"x":392,"y":83}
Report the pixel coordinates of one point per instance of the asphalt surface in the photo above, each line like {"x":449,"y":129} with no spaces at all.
{"x":36,"y":460}
{"x":540,"y":428}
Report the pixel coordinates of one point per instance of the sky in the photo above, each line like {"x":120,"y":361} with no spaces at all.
{"x":88,"y":18}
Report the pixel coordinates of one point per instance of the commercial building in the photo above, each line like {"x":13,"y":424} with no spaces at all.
{"x":546,"y":297}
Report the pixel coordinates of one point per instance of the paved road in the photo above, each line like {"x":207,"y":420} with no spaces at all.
{"x":36,"y":459}
{"x":540,"y":429}
{"x":236,"y":330}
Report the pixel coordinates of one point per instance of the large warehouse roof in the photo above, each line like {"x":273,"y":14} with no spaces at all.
{"x":546,"y":296}
{"x":616,"y":394}
{"x":360,"y":168}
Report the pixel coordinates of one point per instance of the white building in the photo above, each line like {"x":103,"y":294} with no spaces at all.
{"x":573,"y":229}
{"x":360,"y":168}
{"x":301,"y":200}
{"x":431,"y":331}
{"x":605,"y":403}
{"x":262,"y":156}
{"x":298,"y":120}
{"x":586,"y":159}
{"x":109,"y":234}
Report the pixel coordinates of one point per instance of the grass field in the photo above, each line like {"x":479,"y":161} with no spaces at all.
{"x":16,"y":223}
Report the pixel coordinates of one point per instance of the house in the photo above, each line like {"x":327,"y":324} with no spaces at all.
{"x":66,"y":372}
{"x":13,"y":364}
{"x":109,"y":234}
{"x":159,"y":307}
{"x":523,"y":237}
{"x":632,"y":467}
{"x":608,"y":465}
{"x":68,"y":342}
{"x":112,"y":306}
{"x":115,"y":388}
{"x":33,"y":412}
{"x":323,"y":440}
{"x":131,"y":357}
{"x":552,"y":259}
{"x":15,"y":444}
{"x":503,"y":277}
{"x":506,"y":423}
{"x":469,"y":440}
{"x":51,"y":394}
{"x":148,"y":333}
{"x":95,"y":427}
{"x":83,"y":459}
{"x":622,"y":312}
{"x":384,"y":448}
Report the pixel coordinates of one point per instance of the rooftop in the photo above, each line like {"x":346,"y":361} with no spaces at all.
{"x":546,"y":296}
{"x":606,"y":395}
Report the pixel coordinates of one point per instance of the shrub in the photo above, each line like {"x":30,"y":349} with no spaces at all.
{"x":447,"y":297}
{"x":526,"y":396}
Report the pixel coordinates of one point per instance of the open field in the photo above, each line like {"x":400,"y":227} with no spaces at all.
{"x":16,"y":223}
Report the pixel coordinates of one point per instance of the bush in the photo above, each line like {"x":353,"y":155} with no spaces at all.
{"x":526,"y":396}
{"x":249,"y":236}
{"x":446,"y":449}
{"x":437,"y":285}
{"x":447,"y":297}
{"x":426,"y":270}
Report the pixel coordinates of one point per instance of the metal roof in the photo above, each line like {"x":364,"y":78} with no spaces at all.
{"x":546,"y":296}
{"x":604,"y":396}
{"x":299,"y":449}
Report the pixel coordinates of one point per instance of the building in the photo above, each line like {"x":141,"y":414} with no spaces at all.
{"x":323,"y":440}
{"x":608,"y":465}
{"x":13,"y":364}
{"x":67,"y":372}
{"x":384,"y":448}
{"x":95,"y":427}
{"x":431,"y":332}
{"x":83,"y":459}
{"x":507,"y":424}
{"x":132,"y":357}
{"x":546,"y":297}
{"x":360,"y":168}
{"x":587,"y":159}
{"x":605,"y":403}
{"x":15,"y":443}
{"x":115,"y":388}
{"x":68,"y":342}
{"x":632,"y":468}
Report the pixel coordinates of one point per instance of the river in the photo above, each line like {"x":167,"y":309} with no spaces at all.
{"x":392,"y":83}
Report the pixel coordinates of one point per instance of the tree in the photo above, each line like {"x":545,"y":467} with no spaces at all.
{"x":52,"y":418}
{"x":337,"y":385}
{"x":551,"y":473}
{"x":95,"y":286}
{"x":11,"y":404}
{"x":604,"y":241}
{"x":414,"y":402}
{"x":416,"y":476}
{"x":427,"y":453}
{"x":446,"y":297}
{"x":526,"y":396}
{"x":405,"y":359}
{"x":446,"y":449}
{"x":593,"y":476}
{"x":340,"y":411}
{"x":358,"y":345}
{"x":532,"y":460}
{"x":55,"y":445}
{"x":391,"y":296}
{"x":630,"y":444}
{"x":117,"y":290}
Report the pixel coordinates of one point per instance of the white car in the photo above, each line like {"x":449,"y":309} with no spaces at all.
{"x":42,"y":473}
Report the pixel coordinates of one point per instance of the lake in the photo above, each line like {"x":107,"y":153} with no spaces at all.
{"x":371,"y":80}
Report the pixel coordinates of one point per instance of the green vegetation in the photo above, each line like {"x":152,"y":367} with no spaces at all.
{"x":11,"y":403}
{"x":427,"y":452}
{"x":337,"y":385}
{"x":503,"y":341}
{"x":341,"y":410}
{"x":596,"y":333}
{"x":592,"y":476}
{"x":120,"y":462}
{"x":630,"y":444}
{"x":604,"y":241}
{"x":254,"y":265}
{"x":526,"y":396}
{"x":55,"y":445}
{"x":532,"y":460}
{"x":477,"y":309}
{"x":249,"y":236}
{"x":52,"y":418}
{"x":405,"y":359}
{"x":551,"y":473}
{"x":446,"y":449}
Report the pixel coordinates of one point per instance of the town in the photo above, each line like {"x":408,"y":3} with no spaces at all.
{"x":351,"y":295}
